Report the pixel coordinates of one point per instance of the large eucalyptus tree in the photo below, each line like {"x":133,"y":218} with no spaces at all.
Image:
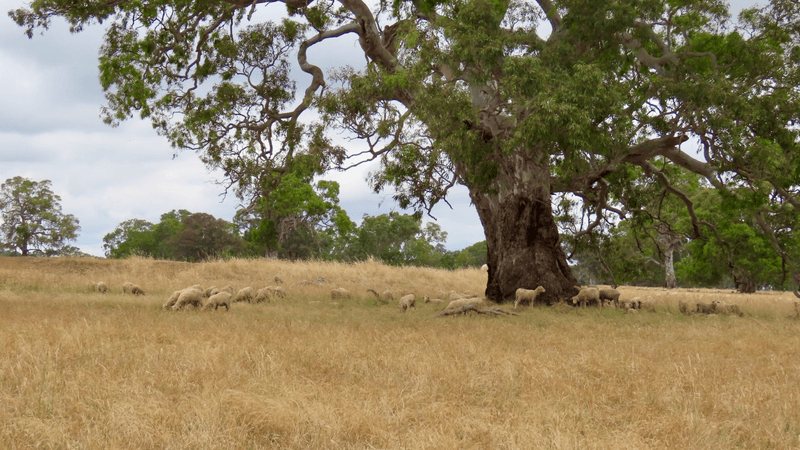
{"x":517,"y":100}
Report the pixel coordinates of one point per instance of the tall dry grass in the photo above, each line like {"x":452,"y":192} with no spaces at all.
{"x":84,"y":370}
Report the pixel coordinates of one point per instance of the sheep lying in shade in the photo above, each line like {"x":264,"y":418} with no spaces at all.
{"x":136,"y":290}
{"x":126,"y":287}
{"x":610,"y":294}
{"x":587,"y":296}
{"x":217,"y":300}
{"x":644,"y":305}
{"x":340,"y":293}
{"x":462,"y":302}
{"x":527,"y":296}
{"x":406,"y":302}
{"x":245,"y":295}
{"x":189,"y":296}
{"x":102,"y":287}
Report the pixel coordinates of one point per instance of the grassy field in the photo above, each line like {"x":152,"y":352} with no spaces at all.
{"x":83,"y":370}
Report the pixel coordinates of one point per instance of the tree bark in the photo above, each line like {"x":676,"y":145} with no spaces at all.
{"x":522,"y":237}
{"x":670,"y":280}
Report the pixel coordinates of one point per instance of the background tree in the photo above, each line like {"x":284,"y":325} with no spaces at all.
{"x":202,"y":237}
{"x":32,"y":221}
{"x":132,"y":237}
{"x":396,"y":239}
{"x":180,"y":235}
{"x":471,"y":92}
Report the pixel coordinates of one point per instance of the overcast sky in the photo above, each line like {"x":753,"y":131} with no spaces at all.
{"x":50,"y":128}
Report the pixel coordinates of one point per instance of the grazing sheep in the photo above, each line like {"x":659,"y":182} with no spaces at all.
{"x":172,"y":299}
{"x":136,"y":290}
{"x":340,"y":293}
{"x":217,"y":300}
{"x":683,"y":307}
{"x":263,"y":295}
{"x":527,"y":296}
{"x":706,"y":308}
{"x":208,"y":292}
{"x":387,"y":295}
{"x":722,"y":308}
{"x":281,"y":292}
{"x":427,"y":299}
{"x":229,"y":289}
{"x":406,"y":302}
{"x":245,"y":295}
{"x":102,"y":287}
{"x":189,"y":296}
{"x":462,"y":302}
{"x":587,"y":296}
{"x":610,"y":294}
{"x":126,"y":287}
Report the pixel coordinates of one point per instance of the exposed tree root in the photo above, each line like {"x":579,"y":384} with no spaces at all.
{"x":472,"y":308}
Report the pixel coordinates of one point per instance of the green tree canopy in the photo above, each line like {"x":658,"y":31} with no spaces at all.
{"x":472,"y":92}
{"x":31,"y":221}
{"x":180,"y":235}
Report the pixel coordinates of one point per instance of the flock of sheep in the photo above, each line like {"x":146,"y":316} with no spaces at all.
{"x":214,"y":297}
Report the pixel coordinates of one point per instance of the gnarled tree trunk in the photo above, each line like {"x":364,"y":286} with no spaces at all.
{"x":522,"y":237}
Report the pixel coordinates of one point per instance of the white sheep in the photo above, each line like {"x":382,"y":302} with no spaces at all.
{"x":340,"y":293}
{"x":462,"y":302}
{"x":683,"y":307}
{"x":246,"y":294}
{"x":387,"y":295}
{"x":527,"y":296}
{"x":229,"y":289}
{"x":706,"y":308}
{"x":136,"y":290}
{"x":217,"y":300}
{"x":427,"y":299}
{"x":644,"y":305}
{"x":102,"y":287}
{"x":189,"y":296}
{"x":722,"y":308}
{"x":208,"y":292}
{"x":281,"y":292}
{"x":406,"y":302}
{"x":485,"y":267}
{"x":126,"y":287}
{"x":610,"y":294}
{"x":172,"y":299}
{"x":587,"y":296}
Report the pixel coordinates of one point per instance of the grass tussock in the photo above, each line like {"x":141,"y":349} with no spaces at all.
{"x":83,"y":370}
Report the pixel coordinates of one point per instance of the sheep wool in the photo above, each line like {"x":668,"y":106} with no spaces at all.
{"x":587,"y":296}
{"x":340,"y":293}
{"x":136,"y":290}
{"x":406,"y":302}
{"x":102,"y":287}
{"x":217,"y":300}
{"x":245,"y":295}
{"x":126,"y":287}
{"x":189,"y":296}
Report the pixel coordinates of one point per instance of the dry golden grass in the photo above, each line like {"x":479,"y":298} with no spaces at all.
{"x":83,"y":370}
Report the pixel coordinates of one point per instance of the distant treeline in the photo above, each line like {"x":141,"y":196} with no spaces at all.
{"x":395,"y":239}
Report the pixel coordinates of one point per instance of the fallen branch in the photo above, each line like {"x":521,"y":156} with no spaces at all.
{"x":473,"y":308}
